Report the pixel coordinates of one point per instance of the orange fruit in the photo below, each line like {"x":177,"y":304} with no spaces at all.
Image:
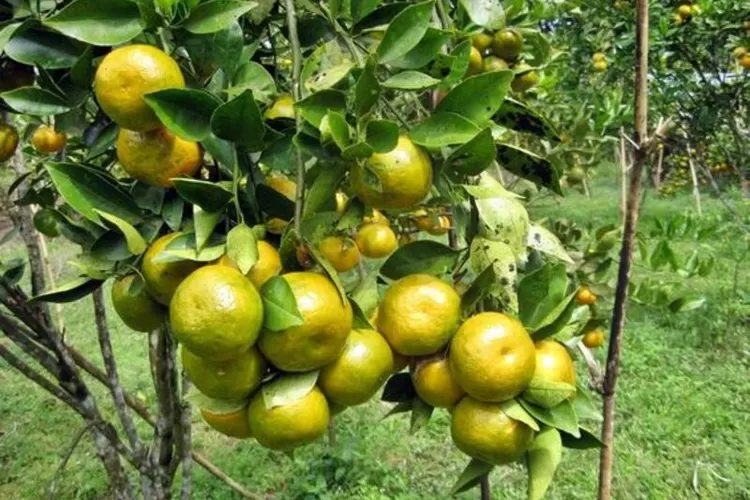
{"x":233,"y":424}
{"x":594,"y":339}
{"x":46,"y":140}
{"x":162,"y":278}
{"x":376,"y":241}
{"x":157,"y":156}
{"x":8,"y":141}
{"x":419,"y":314}
{"x":230,"y":380}
{"x":553,"y":363}
{"x":475,"y":62}
{"x":507,"y":44}
{"x":492,"y":357}
{"x":128,"y":73}
{"x":138,"y":311}
{"x":282,"y":107}
{"x":319,"y":340}
{"x":494,"y":63}
{"x":600,"y":66}
{"x":399,"y":178}
{"x":341,"y":252}
{"x":525,"y":81}
{"x":481,"y":41}
{"x":288,"y":188}
{"x":435,"y":384}
{"x":585,"y":297}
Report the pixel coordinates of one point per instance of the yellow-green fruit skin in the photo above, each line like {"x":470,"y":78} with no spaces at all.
{"x":163,"y":278}
{"x":216,"y":312}
{"x":139,"y":312}
{"x":230,"y":380}
{"x":290,"y":426}
{"x":360,"y":370}
{"x":484,"y":431}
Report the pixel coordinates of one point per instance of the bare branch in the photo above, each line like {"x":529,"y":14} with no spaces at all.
{"x":291,"y":18}
{"x":28,"y":345}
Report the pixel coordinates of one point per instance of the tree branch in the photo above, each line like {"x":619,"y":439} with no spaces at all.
{"x":161,"y":451}
{"x":58,"y":472}
{"x":606,"y":457}
{"x":299,"y":198}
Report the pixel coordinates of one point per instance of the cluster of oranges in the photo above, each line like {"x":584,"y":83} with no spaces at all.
{"x":685,"y":12}
{"x":593,"y":338}
{"x":742,"y":56}
{"x":501,"y":51}
{"x":599,"y":62}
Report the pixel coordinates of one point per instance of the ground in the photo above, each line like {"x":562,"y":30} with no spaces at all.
{"x":682,"y":419}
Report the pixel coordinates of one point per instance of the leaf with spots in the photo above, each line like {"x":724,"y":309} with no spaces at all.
{"x":485,"y":253}
{"x":505,"y":220}
{"x":543,"y":240}
{"x":529,"y":166}
{"x":520,"y":117}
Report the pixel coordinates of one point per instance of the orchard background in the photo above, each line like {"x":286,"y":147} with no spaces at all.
{"x":487,"y":146}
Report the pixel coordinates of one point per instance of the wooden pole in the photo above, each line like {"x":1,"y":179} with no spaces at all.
{"x":626,"y":252}
{"x":694,"y":177}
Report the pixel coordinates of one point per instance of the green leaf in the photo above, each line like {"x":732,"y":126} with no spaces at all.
{"x":682,"y":304}
{"x":333,"y":275}
{"x":543,"y":457}
{"x":381,"y":135}
{"x":518,"y":116}
{"x":322,"y":194}
{"x":204,"y":223}
{"x":280,"y":305}
{"x":329,"y":77}
{"x":341,"y":132}
{"x":367,"y":89}
{"x":405,"y":31}
{"x":35,"y":101}
{"x":478,"y":97}
{"x":561,"y":417}
{"x":543,"y":240}
{"x":148,"y":197}
{"x":487,"y":13}
{"x":274,"y":203}
{"x":239,"y":121}
{"x":557,"y":319}
{"x":220,"y":50}
{"x":365,"y":292}
{"x":379,"y":17}
{"x":69,"y":292}
{"x":425,"y":51}
{"x":540,"y":293}
{"x":457,"y":64}
{"x":315,"y":107}
{"x":215,"y":15}
{"x":85,"y":190}
{"x":288,"y":388}
{"x":99,"y":23}
{"x":6,"y":32}
{"x":443,"y":129}
{"x":46,"y":49}
{"x":423,"y":256}
{"x":136,"y":244}
{"x":484,"y":253}
{"x":222,"y":151}
{"x":210,"y":196}
{"x":472,"y":474}
{"x":253,"y":76}
{"x":184,"y":247}
{"x":420,"y":415}
{"x":479,"y":289}
{"x":217,"y":406}
{"x":410,"y":80}
{"x":242,"y":247}
{"x":548,"y":394}
{"x":186,"y":112}
{"x":529,"y":166}
{"x":360,"y":318}
{"x":504,"y":219}
{"x":473,"y":157}
{"x":399,"y":388}
{"x":587,"y":441}
{"x":172,"y":211}
{"x":514,"y":410}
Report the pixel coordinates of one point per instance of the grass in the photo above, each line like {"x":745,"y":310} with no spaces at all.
{"x":681,"y":410}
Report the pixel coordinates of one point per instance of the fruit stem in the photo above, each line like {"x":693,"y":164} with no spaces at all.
{"x":291,"y":17}
{"x":484,"y":487}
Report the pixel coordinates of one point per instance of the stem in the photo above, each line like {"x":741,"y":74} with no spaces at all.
{"x":694,"y":178}
{"x":484,"y":484}
{"x":299,"y":197}
{"x":606,"y":457}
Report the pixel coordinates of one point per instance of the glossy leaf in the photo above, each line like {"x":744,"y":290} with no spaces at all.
{"x":136,"y":244}
{"x":329,"y":77}
{"x":85,"y":190}
{"x":543,"y":457}
{"x":204,"y":223}
{"x":514,"y":410}
{"x":474,"y":156}
{"x":215,"y":15}
{"x":288,"y":388}
{"x":562,"y":417}
{"x":239,"y":121}
{"x":471,"y":475}
{"x":487,"y":13}
{"x":540,"y":292}
{"x":99,"y":23}
{"x":479,"y":289}
{"x":423,"y":256}
{"x":210,"y":196}
{"x":219,"y":50}
{"x":35,"y":101}
{"x":425,"y":51}
{"x":367,"y":89}
{"x":382,"y":135}
{"x":253,"y":76}
{"x":6,"y":32}
{"x":543,"y":240}
{"x":185,"y":112}
{"x":322,"y":193}
{"x":529,"y":166}
{"x":315,"y":107}
{"x":410,"y":80}
{"x":405,"y":31}
{"x":242,"y":247}
{"x":69,"y":292}
{"x":478,"y":97}
{"x":43,"y":48}
{"x":420,"y":415}
{"x":518,"y":116}
{"x":280,"y":305}
{"x":274,"y":203}
{"x":547,"y":394}
{"x":587,"y":441}
{"x":443,"y":129}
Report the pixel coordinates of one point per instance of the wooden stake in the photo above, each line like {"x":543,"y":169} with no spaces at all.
{"x":694,"y":177}
{"x":626,"y":252}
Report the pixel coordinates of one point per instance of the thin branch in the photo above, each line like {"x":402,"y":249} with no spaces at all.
{"x":200,"y":459}
{"x":291,"y":17}
{"x":28,"y":345}
{"x":606,"y":457}
{"x":187,"y":445}
{"x":69,"y":453}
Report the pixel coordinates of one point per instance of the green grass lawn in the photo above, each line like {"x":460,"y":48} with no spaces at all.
{"x":682,"y":408}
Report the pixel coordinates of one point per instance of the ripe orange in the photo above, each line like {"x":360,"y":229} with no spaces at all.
{"x":327,"y":322}
{"x":435,"y":383}
{"x":282,"y":107}
{"x":376,"y":241}
{"x":484,"y":431}
{"x":600,"y":66}
{"x":419,"y":314}
{"x":341,"y":252}
{"x":46,"y":140}
{"x":8,"y":141}
{"x":139,"y":311}
{"x":231,"y":380}
{"x":156,"y":156}
{"x":492,"y":357}
{"x":553,"y":363}
{"x":288,"y":188}
{"x":162,"y":278}
{"x":399,"y":178}
{"x":128,"y":73}
{"x":585,"y":297}
{"x":594,"y":338}
{"x":233,"y":424}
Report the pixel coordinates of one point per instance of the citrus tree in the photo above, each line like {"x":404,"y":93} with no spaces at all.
{"x":306,"y":198}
